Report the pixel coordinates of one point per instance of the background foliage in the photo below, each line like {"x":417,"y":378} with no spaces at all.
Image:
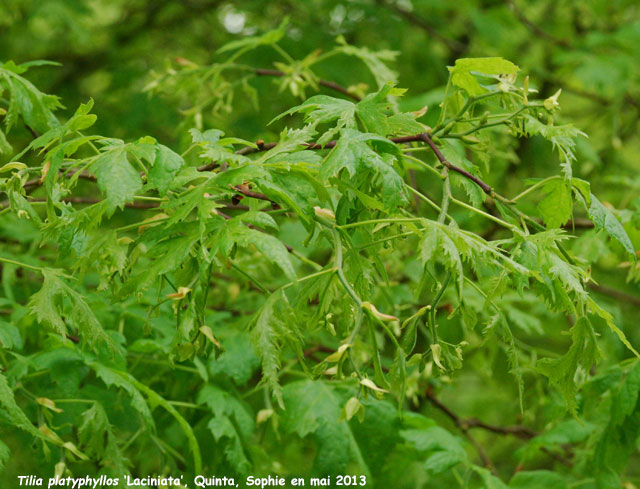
{"x":196,"y":343}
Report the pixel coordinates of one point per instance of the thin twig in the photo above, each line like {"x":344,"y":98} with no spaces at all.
{"x":427,"y":139}
{"x":325,"y":83}
{"x":615,"y":293}
{"x":255,"y":195}
{"x":518,"y":431}
{"x":318,"y":348}
{"x":36,"y":182}
{"x":464,"y":428}
{"x":33,"y":132}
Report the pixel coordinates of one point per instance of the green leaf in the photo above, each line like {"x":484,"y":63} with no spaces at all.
{"x":561,"y":371}
{"x":569,"y":276}
{"x":466,"y":70}
{"x":216,"y":149}
{"x":626,"y":398}
{"x":268,"y":332}
{"x":536,"y":479}
{"x":20,"y":204}
{"x":117,"y":178}
{"x":222,"y":428}
{"x":514,"y":362}
{"x":98,"y":440}
{"x":584,"y":189}
{"x":48,"y":305}
{"x":231,"y":422}
{"x":5,"y":146}
{"x":81,"y":119}
{"x":604,"y":219}
{"x":15,"y":414}
{"x":562,"y":137}
{"x":448,"y":245}
{"x":563,"y":433}
{"x":376,"y":61}
{"x":314,"y":408}
{"x":557,"y":206}
{"x":5,"y":455}
{"x":295,"y":189}
{"x":443,"y":450}
{"x":257,"y":218}
{"x":618,"y":437}
{"x":165,"y":167}
{"x":490,"y":481}
{"x":265,"y":338}
{"x":222,"y":403}
{"x":371,"y":114}
{"x":35,"y":107}
{"x":271,"y":247}
{"x":353,"y":154}
{"x":290,"y":140}
{"x":248,"y":43}
{"x":10,"y":336}
{"x":112,"y":377}
{"x":608,"y":318}
{"x":322,"y":109}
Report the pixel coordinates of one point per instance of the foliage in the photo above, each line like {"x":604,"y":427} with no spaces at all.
{"x":409,"y":285}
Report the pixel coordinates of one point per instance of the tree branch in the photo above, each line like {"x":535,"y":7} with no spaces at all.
{"x":325,"y":83}
{"x":427,"y":139}
{"x":422,"y":137}
{"x":516,"y":430}
{"x":616,"y":294}
{"x":36,"y":182}
{"x":463,"y":427}
{"x":262,"y":146}
{"x":255,"y":195}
